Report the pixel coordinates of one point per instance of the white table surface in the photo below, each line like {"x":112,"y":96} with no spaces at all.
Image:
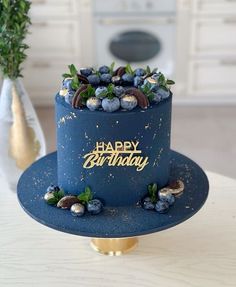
{"x":199,"y":252}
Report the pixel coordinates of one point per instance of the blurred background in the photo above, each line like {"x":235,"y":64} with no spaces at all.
{"x":192,"y":41}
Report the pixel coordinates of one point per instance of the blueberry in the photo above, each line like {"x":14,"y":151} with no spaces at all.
{"x":167,"y":197}
{"x":86,"y":71}
{"x":106,"y":78}
{"x":128,"y":102}
{"x":148,"y":204}
{"x":94,"y":206}
{"x":128,"y":78}
{"x":138,"y":81}
{"x":67,"y":83}
{"x":140,"y":72}
{"x":164,"y":93}
{"x":119,"y":91}
{"x":104,"y":70}
{"x":93,"y":103}
{"x":162,"y":206}
{"x":53,"y":188}
{"x":94,"y":79}
{"x":111,"y":105}
{"x":101,"y":92}
{"x":156,"y":99}
{"x":69,"y":96}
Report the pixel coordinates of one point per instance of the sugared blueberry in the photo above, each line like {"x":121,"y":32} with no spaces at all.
{"x":106,"y":78}
{"x":128,"y":102}
{"x":94,"y":79}
{"x":53,"y":188}
{"x":148,"y":204}
{"x":140,"y":72}
{"x":104,"y":70}
{"x":156,"y":98}
{"x":93,"y":103}
{"x":77,"y":209}
{"x":138,"y":81}
{"x":86,"y":71}
{"x":128,"y":78}
{"x":101,"y":92}
{"x":69,"y":96}
{"x":162,"y":206}
{"x":166,"y":196}
{"x":119,"y":91}
{"x":94,"y":206}
{"x":116,"y":80}
{"x":66,"y":84}
{"x":111,"y":105}
{"x":164,"y":93}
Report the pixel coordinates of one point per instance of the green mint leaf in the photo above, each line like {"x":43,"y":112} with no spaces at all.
{"x":52,"y":201}
{"x":85,"y":196}
{"x":150,"y":96}
{"x":66,"y":75}
{"x":162,"y":80}
{"x":154,"y":71}
{"x":112,"y":67}
{"x":110,"y":88}
{"x":154,"y":188}
{"x":170,"y":82}
{"x":148,"y":70}
{"x":72,"y":69}
{"x":128,"y":69}
{"x":60,"y":193}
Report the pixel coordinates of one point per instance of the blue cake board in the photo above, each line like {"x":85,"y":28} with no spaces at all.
{"x":113,"y":222}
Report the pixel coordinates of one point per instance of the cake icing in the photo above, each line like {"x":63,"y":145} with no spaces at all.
{"x":117,"y":147}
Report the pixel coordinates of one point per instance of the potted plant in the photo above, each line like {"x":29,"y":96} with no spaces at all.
{"x":21,"y":136}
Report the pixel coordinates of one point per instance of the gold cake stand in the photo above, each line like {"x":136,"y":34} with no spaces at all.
{"x":114,"y":246}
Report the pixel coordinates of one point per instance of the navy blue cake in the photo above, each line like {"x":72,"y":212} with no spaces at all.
{"x":113,"y":132}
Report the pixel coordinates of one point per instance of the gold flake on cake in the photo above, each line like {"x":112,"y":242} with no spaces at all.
{"x":63,"y":120}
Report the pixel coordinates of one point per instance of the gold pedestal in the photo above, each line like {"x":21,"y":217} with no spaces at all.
{"x":114,"y":246}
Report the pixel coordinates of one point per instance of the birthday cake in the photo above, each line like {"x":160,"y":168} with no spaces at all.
{"x":113,"y":135}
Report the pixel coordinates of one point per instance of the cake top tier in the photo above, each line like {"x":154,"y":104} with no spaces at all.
{"x":109,"y":89}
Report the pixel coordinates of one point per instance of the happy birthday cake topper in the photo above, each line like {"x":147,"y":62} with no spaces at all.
{"x":118,"y":154}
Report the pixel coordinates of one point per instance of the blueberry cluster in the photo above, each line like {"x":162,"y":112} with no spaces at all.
{"x":108,"y":89}
{"x":160,"y":201}
{"x":77,"y":204}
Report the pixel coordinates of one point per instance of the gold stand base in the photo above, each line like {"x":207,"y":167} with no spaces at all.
{"x":114,"y":246}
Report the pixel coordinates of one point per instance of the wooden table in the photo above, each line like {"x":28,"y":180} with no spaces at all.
{"x":199,"y":252}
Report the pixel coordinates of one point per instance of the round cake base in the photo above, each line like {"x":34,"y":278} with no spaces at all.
{"x":118,"y":224}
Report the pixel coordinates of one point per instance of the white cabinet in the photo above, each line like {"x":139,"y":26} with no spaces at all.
{"x":54,"y":38}
{"x":213,"y":78}
{"x":214,"y":7}
{"x":212,"y":52}
{"x":213,"y":36}
{"x":54,"y":42}
{"x":53,"y":8}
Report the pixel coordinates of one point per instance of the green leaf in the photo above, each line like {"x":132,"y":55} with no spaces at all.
{"x":148,"y":70}
{"x":170,"y":82}
{"x":161,"y":80}
{"x":60,"y":194}
{"x":72,"y":69}
{"x":52,"y":201}
{"x":154,"y":71}
{"x":112,"y":67}
{"x":128,"y":69}
{"x":85,"y":196}
{"x":152,"y":190}
{"x":66,"y":75}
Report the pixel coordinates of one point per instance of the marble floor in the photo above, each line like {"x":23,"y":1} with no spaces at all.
{"x":204,"y":133}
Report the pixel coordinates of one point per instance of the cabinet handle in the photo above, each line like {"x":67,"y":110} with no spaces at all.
{"x":228,"y":62}
{"x":40,"y":24}
{"x":109,"y":22}
{"x":40,"y":65}
{"x":39,"y":2}
{"x":229,"y":20}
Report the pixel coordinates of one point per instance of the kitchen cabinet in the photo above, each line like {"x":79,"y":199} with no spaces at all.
{"x":212,"y":51}
{"x":55,"y":42}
